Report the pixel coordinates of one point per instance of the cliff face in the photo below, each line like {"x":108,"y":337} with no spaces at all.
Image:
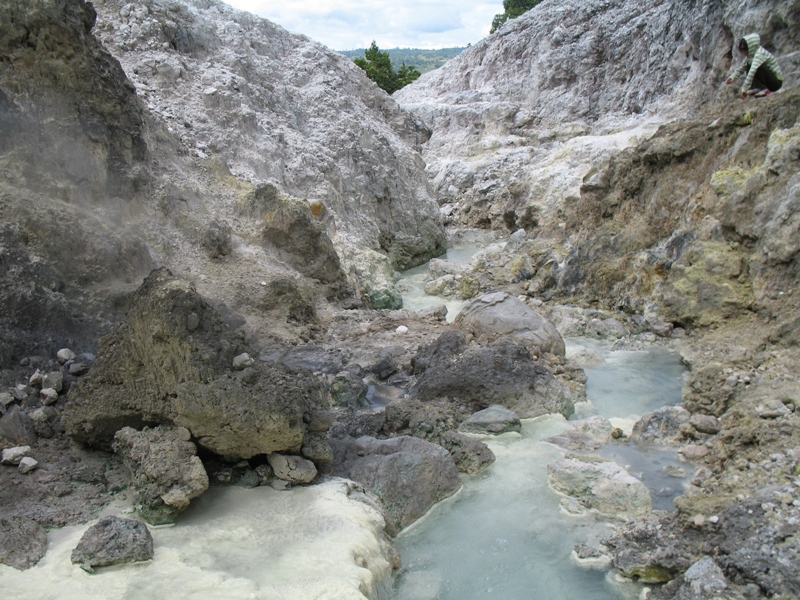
{"x":209,"y":129}
{"x":279,"y":108}
{"x":522,"y":116}
{"x":644,"y":183}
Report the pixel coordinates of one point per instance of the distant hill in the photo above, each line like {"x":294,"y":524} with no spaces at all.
{"x":423,"y":60}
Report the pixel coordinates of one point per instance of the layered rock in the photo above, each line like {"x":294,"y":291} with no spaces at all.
{"x":171,"y":362}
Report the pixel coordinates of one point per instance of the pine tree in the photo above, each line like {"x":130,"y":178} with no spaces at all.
{"x":378,"y":67}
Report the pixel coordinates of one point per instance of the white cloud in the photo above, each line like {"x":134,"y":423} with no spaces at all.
{"x":348,"y":24}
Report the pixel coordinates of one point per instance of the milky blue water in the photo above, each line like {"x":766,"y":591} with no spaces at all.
{"x":504,"y":535}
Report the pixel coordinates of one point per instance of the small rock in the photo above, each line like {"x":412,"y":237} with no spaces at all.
{"x":705,"y":577}
{"x":28,"y":464}
{"x":21,"y":392}
{"x":36,"y":379}
{"x":401,"y":329}
{"x":772,"y":410}
{"x":5,"y":399}
{"x":280,"y":484}
{"x":693,"y":452}
{"x":23,"y":542}
{"x":64,"y":355}
{"x":53,"y":380}
{"x":13,"y":456}
{"x":292,"y":468}
{"x":705,"y":423}
{"x":49,"y":396}
{"x":78,"y":368}
{"x":242,"y":361}
{"x":494,"y":420}
{"x":674,"y":471}
{"x":113,"y":541}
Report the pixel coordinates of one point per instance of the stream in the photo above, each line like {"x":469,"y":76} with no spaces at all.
{"x":505,"y":536}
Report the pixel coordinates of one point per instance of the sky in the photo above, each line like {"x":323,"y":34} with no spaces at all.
{"x":351,"y":24}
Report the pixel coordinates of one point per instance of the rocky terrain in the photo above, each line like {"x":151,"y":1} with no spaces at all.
{"x":202,"y":217}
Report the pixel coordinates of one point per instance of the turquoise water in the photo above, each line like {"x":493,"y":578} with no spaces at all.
{"x":504,"y":535}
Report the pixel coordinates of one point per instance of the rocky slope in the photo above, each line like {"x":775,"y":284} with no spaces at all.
{"x":643,"y":184}
{"x":281,"y":188}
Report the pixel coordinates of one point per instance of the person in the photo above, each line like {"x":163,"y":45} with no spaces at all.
{"x":761,"y":71}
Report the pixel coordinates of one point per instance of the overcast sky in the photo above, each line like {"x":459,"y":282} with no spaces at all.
{"x":350,"y":24}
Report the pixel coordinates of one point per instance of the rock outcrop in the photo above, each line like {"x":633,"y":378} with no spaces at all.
{"x":171,"y":362}
{"x":279,"y":108}
{"x":501,"y":373}
{"x":392,"y":468}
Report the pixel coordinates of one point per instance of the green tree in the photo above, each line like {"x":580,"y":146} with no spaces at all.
{"x":512,"y":9}
{"x":378,"y":67}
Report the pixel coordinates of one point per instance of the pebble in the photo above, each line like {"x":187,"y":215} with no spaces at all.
{"x":27,"y":464}
{"x":401,"y":329}
{"x":49,"y":396}
{"x":64,"y":355}
{"x":13,"y":456}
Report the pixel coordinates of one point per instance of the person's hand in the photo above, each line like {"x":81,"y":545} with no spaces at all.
{"x":729,"y":80}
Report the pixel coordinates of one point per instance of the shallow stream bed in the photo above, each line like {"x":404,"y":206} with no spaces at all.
{"x":504,"y":535}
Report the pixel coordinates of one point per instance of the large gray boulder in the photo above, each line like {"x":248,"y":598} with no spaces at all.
{"x":113,"y":541}
{"x":23,"y":542}
{"x":502,"y":316}
{"x":407,"y":473}
{"x":165,"y":468}
{"x":502,"y":373}
{"x":171,"y":362}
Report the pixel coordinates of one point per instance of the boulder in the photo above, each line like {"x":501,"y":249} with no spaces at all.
{"x":501,"y":315}
{"x":23,"y":542}
{"x":586,"y":435}
{"x":16,"y":427}
{"x":601,"y":485}
{"x":408,"y":474}
{"x":493,"y":420}
{"x":165,"y":469}
{"x":113,"y":541}
{"x":433,"y":422}
{"x":662,"y":426}
{"x":502,"y":373}
{"x":171,"y":362}
{"x":293,"y":469}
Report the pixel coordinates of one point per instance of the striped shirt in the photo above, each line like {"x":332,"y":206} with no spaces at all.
{"x":756,"y":56}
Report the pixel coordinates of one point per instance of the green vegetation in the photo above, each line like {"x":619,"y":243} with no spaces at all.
{"x":378,"y":67}
{"x":423,"y":60}
{"x":513,"y":9}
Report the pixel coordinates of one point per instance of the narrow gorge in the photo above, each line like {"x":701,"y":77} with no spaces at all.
{"x":264,"y":328}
